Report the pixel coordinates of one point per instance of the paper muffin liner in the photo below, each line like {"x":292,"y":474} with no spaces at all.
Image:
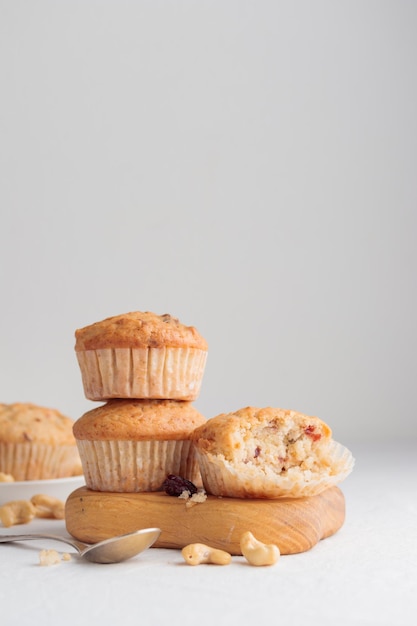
{"x":34,"y":461}
{"x":136,"y":466}
{"x":220,"y":478}
{"x":168,"y":373}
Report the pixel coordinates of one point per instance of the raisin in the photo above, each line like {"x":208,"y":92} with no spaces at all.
{"x":257,"y":452}
{"x":175,"y":485}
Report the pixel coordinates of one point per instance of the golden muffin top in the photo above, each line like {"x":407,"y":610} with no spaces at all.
{"x":232,"y":434}
{"x":139,"y":420}
{"x":25,"y":423}
{"x":138,"y":330}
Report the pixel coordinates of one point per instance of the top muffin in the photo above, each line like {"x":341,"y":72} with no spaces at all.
{"x":141,"y":355}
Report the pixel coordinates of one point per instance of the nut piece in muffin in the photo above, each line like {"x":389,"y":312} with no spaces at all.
{"x":37,"y":443}
{"x":269,"y":453}
{"x":132,"y":445}
{"x":141,"y":355}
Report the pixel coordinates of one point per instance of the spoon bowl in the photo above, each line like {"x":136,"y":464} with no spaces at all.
{"x":112,"y":550}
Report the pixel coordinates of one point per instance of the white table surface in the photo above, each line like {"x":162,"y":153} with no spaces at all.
{"x":364,"y":574}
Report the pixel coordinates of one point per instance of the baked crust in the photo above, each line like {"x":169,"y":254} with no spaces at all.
{"x":139,"y":420}
{"x":37,"y":443}
{"x":229,"y":434}
{"x":137,"y":330}
{"x":28,"y":423}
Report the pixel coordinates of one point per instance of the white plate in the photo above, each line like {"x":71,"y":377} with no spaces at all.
{"x":24,"y":490}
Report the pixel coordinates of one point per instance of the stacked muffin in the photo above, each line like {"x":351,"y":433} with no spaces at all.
{"x":147,"y":369}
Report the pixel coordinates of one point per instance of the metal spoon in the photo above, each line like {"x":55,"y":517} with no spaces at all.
{"x":113,"y":550}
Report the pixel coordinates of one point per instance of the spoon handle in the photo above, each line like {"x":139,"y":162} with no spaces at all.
{"x":72,"y":542}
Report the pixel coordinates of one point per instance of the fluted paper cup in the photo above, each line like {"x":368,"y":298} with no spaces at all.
{"x":136,"y":466}
{"x":221,"y":478}
{"x":165,"y":373}
{"x":35,"y":461}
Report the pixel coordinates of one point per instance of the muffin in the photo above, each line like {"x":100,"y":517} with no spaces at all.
{"x":268,"y":453}
{"x":37,"y":443}
{"x":141,"y":355}
{"x":132,"y":445}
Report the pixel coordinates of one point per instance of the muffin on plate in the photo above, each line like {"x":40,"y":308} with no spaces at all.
{"x":132,"y":445}
{"x":141,"y":355}
{"x":37,"y":443}
{"x":269,"y":453}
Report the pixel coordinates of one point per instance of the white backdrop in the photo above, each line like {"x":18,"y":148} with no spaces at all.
{"x":249,"y":167}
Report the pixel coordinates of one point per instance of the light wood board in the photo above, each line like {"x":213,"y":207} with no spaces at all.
{"x":295,"y":525}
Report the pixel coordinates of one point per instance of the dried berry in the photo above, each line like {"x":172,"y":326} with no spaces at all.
{"x":176,"y":485}
{"x":310,"y":432}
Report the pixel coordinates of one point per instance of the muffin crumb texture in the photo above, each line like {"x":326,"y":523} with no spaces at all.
{"x":268,"y":453}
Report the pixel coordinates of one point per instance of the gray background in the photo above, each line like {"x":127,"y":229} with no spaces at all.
{"x":249,"y":167}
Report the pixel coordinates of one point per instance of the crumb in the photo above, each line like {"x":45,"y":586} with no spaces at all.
{"x":49,"y":557}
{"x":66,"y":556}
{"x":196,"y":498}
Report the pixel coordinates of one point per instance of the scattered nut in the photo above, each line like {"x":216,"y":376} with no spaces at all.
{"x":23,"y":511}
{"x":6,"y":478}
{"x":17,"y":512}
{"x":196,"y":553}
{"x":47,"y":506}
{"x":256,"y":552}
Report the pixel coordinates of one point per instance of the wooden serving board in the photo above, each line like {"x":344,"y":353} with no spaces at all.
{"x":294,"y":525}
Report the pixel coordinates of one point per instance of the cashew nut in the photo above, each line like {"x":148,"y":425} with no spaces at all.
{"x":47,"y":506}
{"x":256,"y":552}
{"x":6,"y":478}
{"x":196,"y":553}
{"x":17,"y":512}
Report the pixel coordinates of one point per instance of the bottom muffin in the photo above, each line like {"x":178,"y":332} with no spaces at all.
{"x":132,"y":445}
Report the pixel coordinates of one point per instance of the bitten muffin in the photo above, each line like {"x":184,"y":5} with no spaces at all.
{"x":132,"y":445}
{"x":269,"y":453}
{"x":141,"y":355}
{"x":37,"y":443}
